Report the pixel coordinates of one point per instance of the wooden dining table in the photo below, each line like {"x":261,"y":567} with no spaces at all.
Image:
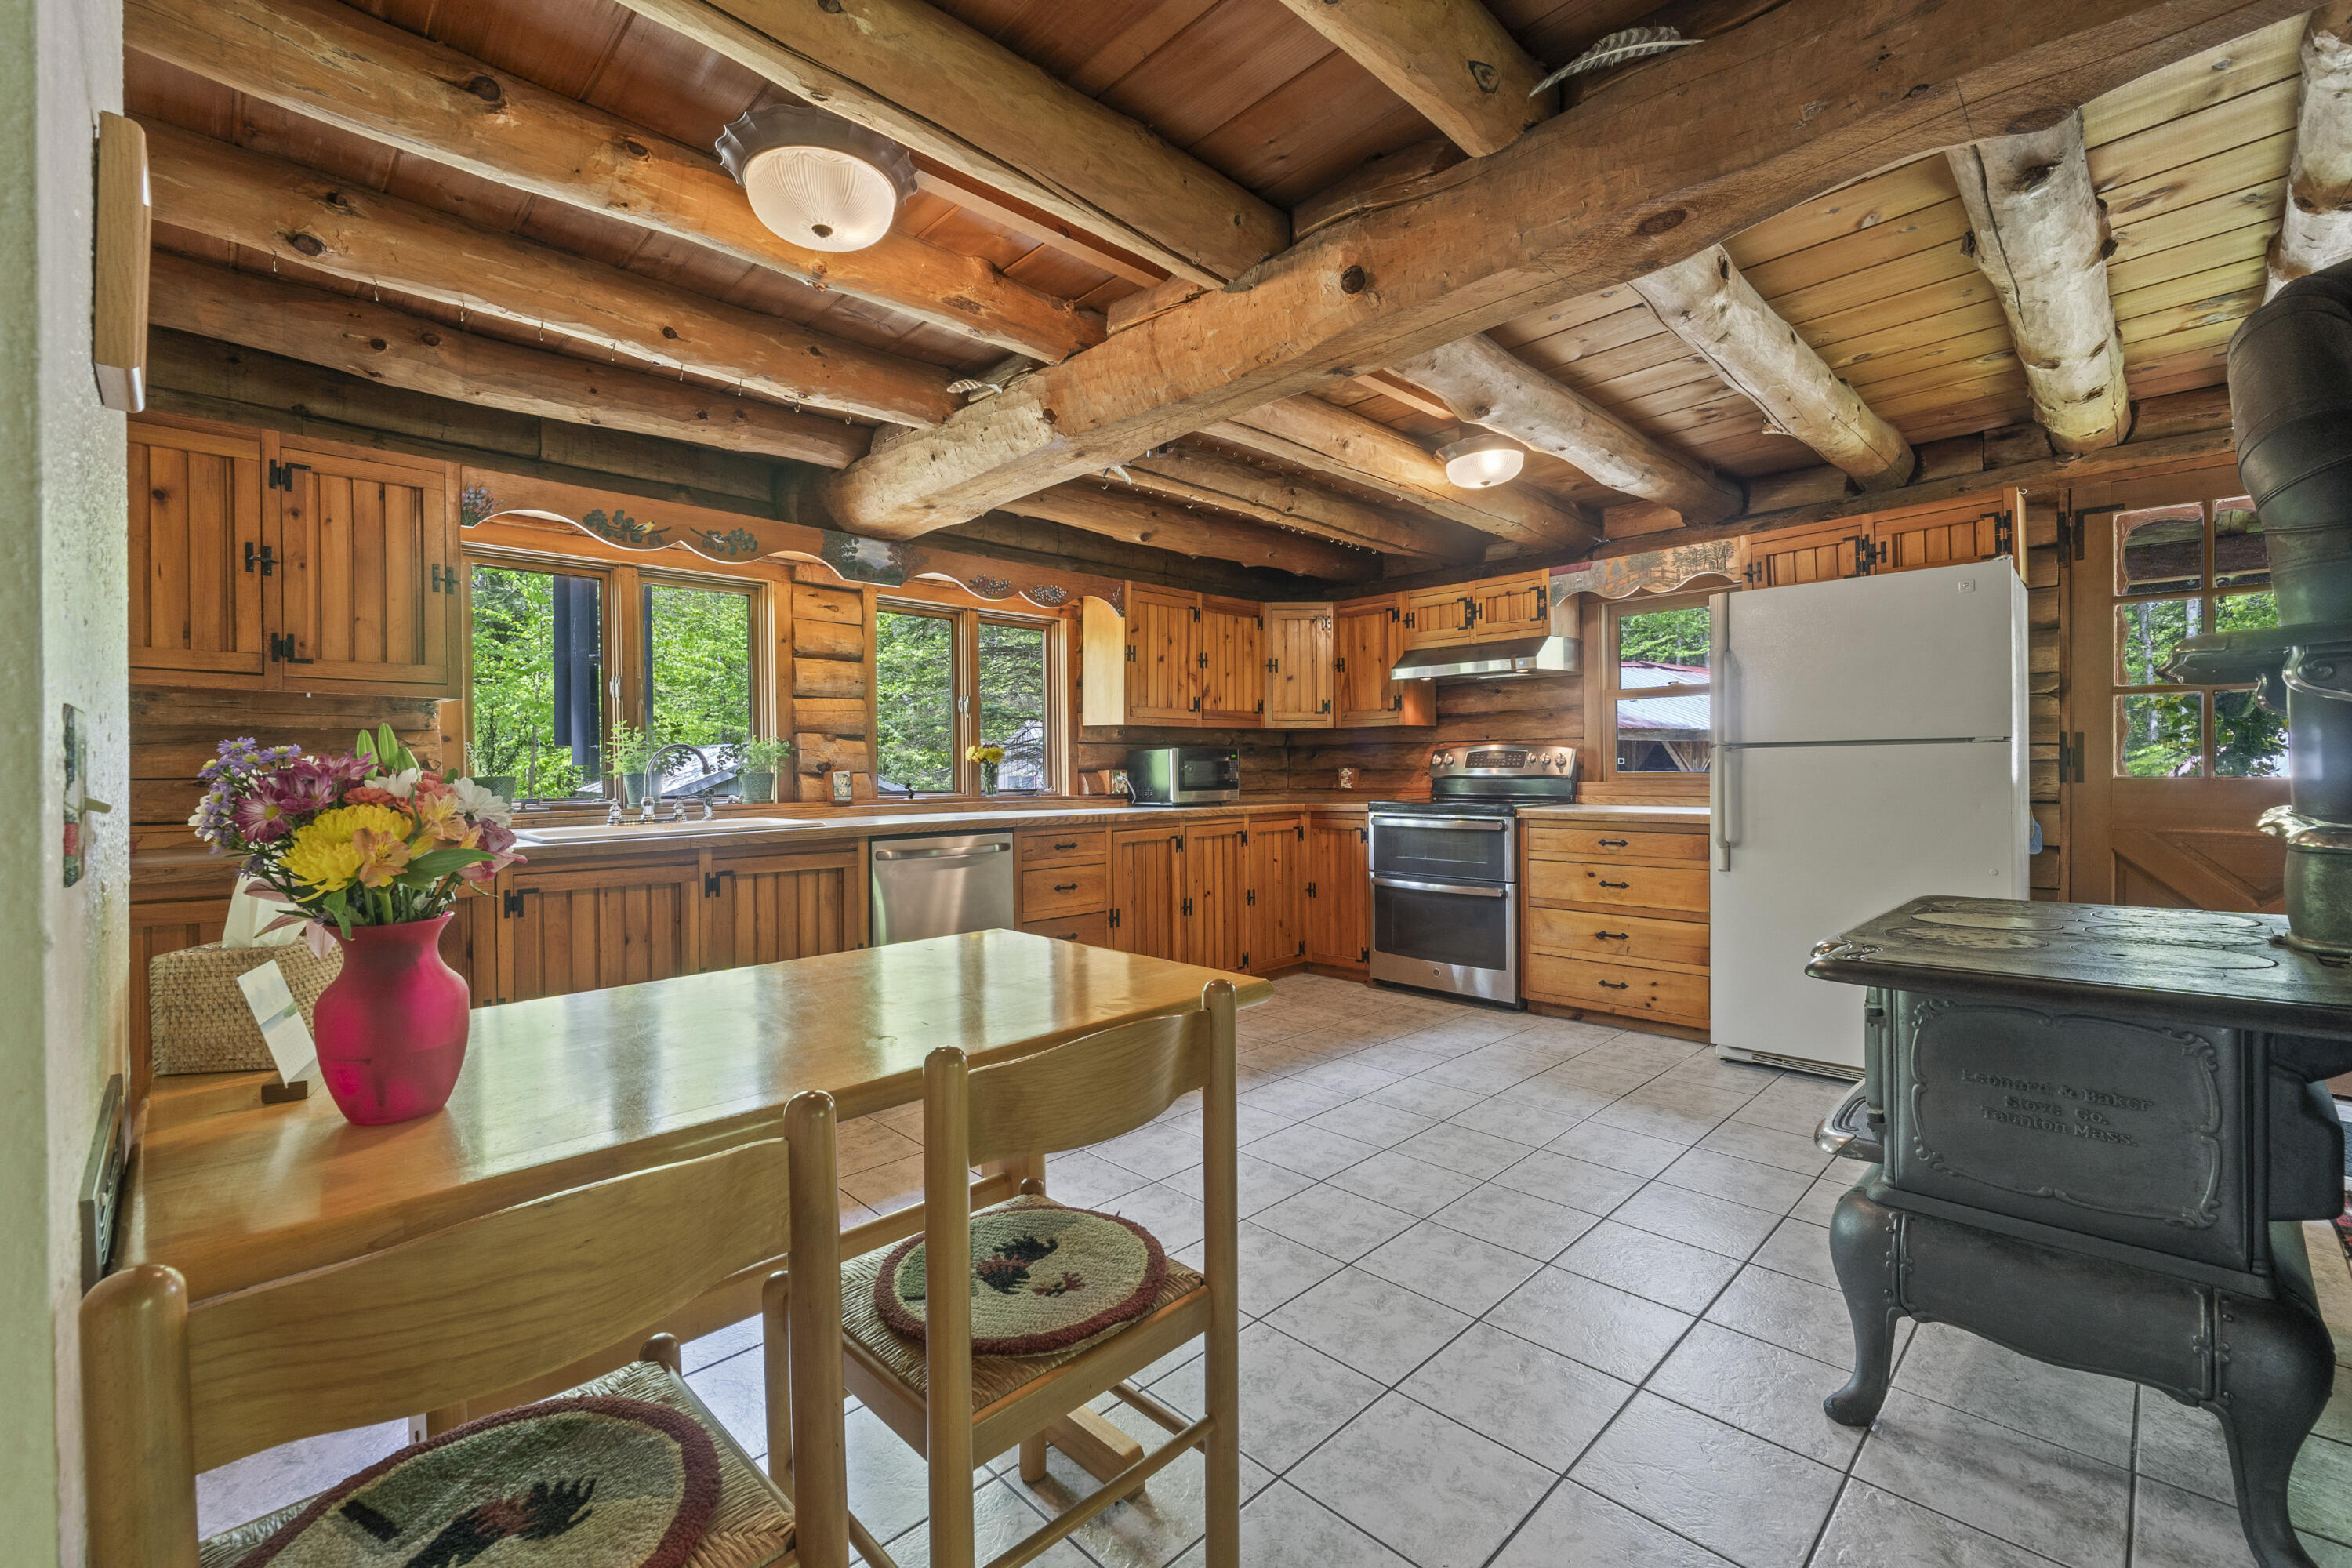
{"x":565,"y":1090}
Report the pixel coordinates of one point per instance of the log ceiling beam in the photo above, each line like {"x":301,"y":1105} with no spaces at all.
{"x":2040,"y":237}
{"x":1707,"y":302}
{"x":2317,"y":230}
{"x":313,"y":220}
{"x":951,"y":94}
{"x":1448,"y":58}
{"x":1310,"y":434}
{"x":1485,"y":384}
{"x":364,"y":339}
{"x":339,"y":65}
{"x":1188,"y":471}
{"x":1166,"y":524}
{"x":1678,"y":155}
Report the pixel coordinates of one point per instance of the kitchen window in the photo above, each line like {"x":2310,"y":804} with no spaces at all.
{"x":1655,"y":689}
{"x":947,"y":679}
{"x":2181,"y":572}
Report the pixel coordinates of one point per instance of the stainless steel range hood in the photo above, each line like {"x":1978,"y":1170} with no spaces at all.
{"x":1507,"y":656}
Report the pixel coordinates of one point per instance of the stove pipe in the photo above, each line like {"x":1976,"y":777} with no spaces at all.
{"x":2291,"y":406}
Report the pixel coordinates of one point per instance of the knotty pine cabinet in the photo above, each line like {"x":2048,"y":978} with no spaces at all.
{"x":1191,"y":659}
{"x":1368,"y":638}
{"x":1339,"y":890}
{"x":260,"y":563}
{"x":1143,"y":879}
{"x":1616,"y":918}
{"x":1226,"y":892}
{"x":1950,"y":534}
{"x":1299,"y":667}
{"x":1276,"y":901}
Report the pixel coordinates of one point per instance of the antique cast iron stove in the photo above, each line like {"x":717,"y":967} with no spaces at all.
{"x":2093,"y":1132}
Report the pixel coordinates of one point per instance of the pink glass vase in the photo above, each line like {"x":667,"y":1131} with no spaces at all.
{"x":391,"y":1029}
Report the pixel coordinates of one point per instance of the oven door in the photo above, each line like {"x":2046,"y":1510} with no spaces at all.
{"x":1431,"y":846}
{"x":1462,"y":937}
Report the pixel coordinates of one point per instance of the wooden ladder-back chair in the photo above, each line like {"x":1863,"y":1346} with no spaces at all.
{"x":173,"y":1387}
{"x":950,"y":1406}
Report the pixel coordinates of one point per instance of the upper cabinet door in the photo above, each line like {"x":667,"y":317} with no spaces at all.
{"x":202,"y":550}
{"x":1369,"y":637}
{"x":1516,"y":606}
{"x":1299,"y":667}
{"x":1232,"y":661}
{"x":1437,"y":616}
{"x":1163,"y":656}
{"x":368,"y":585}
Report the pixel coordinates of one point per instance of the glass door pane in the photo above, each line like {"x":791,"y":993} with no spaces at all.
{"x":535,"y":656}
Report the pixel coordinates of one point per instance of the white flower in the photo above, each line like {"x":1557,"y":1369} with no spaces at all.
{"x":481,"y":804}
{"x":401,"y":784}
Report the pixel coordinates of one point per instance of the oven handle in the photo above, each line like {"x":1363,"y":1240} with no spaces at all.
{"x":1379,"y":881}
{"x":1475,"y":823}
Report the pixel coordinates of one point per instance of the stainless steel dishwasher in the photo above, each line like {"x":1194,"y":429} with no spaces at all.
{"x":941,"y":885}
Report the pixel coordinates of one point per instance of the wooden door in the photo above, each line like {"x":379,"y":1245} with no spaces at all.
{"x":1212,"y":919}
{"x":1514,"y":607}
{"x":1436,"y":617}
{"x":766,"y":909}
{"x":1277,"y":893}
{"x":202,"y":547}
{"x":1163,"y":673}
{"x":367,"y":589}
{"x":565,"y":931}
{"x":1144,"y":895}
{"x":1232,"y":661}
{"x":2167,"y":779}
{"x":1338,"y":893}
{"x":1299,"y":667}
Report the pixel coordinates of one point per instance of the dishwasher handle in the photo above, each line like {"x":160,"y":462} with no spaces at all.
{"x":971,"y":854}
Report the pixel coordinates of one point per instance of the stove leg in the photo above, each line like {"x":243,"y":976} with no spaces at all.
{"x":1865,"y":1240}
{"x":2276,"y":1369}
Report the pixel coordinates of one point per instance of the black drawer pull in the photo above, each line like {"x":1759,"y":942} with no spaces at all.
{"x":1072,"y":844}
{"x":1606,"y":884}
{"x":1615,"y":985}
{"x":1613,"y":844}
{"x":1612,"y":935}
{"x":1066,"y":887}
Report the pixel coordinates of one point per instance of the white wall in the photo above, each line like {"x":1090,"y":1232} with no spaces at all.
{"x":62,"y":639}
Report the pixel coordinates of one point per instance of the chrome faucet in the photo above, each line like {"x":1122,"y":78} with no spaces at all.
{"x":654,"y":776}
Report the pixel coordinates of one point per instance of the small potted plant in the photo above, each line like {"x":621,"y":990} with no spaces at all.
{"x":762,"y":758}
{"x":989,"y":758}
{"x":480,"y":765}
{"x":626,"y":756}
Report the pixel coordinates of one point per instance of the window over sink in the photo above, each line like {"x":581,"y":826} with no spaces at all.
{"x":1657,"y":687}
{"x":948,"y":679}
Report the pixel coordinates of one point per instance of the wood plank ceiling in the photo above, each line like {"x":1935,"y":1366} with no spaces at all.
{"x":2190,"y":163}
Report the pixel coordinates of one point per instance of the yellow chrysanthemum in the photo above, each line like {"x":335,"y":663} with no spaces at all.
{"x":322,"y":854}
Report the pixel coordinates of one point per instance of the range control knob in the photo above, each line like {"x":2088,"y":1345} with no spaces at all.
{"x":1442,"y":760}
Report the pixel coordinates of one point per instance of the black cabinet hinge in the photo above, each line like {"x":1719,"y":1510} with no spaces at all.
{"x":1301,"y":831}
{"x":1392,"y":612}
{"x":1339,"y":665}
{"x":1408,"y":615}
{"x":1866,"y":556}
{"x":1244,"y":838}
{"x":1754,"y":573}
{"x":281,"y":475}
{"x":281,"y":649}
{"x":1196,"y":611}
{"x":1274,"y":667}
{"x":2004,"y":534}
{"x":1130,"y":653}
{"x":1326,"y":707}
{"x":1261,"y":707}
{"x":1113,"y":921}
{"x":1178,"y":840}
{"x":1187,"y":910}
{"x":1250,"y":898}
{"x":1396,"y":701}
{"x":710,"y":882}
{"x":1302,"y":950}
{"x":1310,"y":890}
{"x":1246,"y":961}
{"x":1363,"y":955}
{"x":1363,"y":836}
{"x":510,"y":905}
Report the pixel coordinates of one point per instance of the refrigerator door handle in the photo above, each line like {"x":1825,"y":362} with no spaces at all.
{"x":1718,"y":790}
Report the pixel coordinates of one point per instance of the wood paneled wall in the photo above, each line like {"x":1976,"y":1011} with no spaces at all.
{"x":173,"y":732}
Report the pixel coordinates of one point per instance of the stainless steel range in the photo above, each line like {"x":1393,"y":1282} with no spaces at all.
{"x":1445,"y":895}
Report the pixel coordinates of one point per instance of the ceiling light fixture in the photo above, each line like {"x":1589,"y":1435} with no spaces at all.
{"x":1481,"y":462}
{"x":814,"y":178}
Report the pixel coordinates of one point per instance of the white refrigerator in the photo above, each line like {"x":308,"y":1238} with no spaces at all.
{"x":1870,"y":748}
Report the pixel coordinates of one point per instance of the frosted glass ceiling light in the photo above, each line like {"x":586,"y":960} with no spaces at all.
{"x":1481,"y":462}
{"x":815,"y":179}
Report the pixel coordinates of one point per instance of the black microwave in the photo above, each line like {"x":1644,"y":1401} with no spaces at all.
{"x":1183,"y":775}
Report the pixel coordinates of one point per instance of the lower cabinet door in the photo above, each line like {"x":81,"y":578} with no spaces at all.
{"x":1216,"y":864}
{"x":1144,"y":875}
{"x":1338,"y":893}
{"x":1277,"y":893}
{"x":764,"y":909}
{"x":563,"y":932}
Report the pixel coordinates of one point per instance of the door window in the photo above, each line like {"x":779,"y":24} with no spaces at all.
{"x":2184,"y":571}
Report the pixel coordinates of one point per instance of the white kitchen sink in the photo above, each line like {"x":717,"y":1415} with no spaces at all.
{"x":609,"y":832}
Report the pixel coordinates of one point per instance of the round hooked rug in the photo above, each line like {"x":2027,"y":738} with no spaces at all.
{"x":1042,"y":1277}
{"x":592,"y":1482}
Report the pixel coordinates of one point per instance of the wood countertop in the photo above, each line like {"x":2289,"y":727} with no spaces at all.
{"x":1617,"y":816}
{"x":572,"y":1089}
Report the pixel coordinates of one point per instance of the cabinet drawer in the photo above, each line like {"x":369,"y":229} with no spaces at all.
{"x":1054,"y":890}
{"x":1066,"y":847}
{"x":1581,"y":933}
{"x":1613,"y":844}
{"x":1626,"y":988}
{"x":1093,"y":929}
{"x":1634,"y":885}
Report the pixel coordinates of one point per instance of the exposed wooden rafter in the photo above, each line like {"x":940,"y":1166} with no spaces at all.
{"x":921,"y":77}
{"x":1311,"y":434}
{"x":2041,"y":237}
{"x":310,"y":219}
{"x":1484,"y":385}
{"x":1165,"y":524}
{"x":1448,"y":58}
{"x":364,"y":339}
{"x":2316,"y":230}
{"x":1188,"y":471}
{"x":1709,"y":304}
{"x":339,"y":65}
{"x":1685,"y":152}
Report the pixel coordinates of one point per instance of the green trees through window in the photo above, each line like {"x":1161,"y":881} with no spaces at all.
{"x":914,"y":681}
{"x":519,"y":730}
{"x":948,"y":680}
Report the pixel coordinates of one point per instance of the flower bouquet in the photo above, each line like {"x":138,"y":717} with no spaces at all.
{"x":990,"y":759}
{"x":369,"y":850}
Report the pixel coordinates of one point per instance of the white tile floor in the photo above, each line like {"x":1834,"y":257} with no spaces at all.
{"x":1524,"y":1293}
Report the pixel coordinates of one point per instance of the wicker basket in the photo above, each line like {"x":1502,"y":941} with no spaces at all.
{"x":198,"y":1018}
